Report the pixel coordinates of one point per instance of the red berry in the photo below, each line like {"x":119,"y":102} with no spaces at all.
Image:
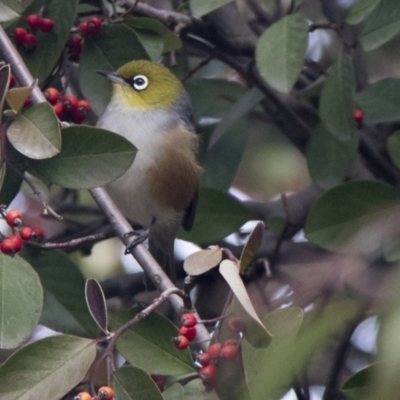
{"x":19,"y":34}
{"x":14,"y":218}
{"x":46,"y":25}
{"x":105,"y":393}
{"x":26,"y":233}
{"x":235,"y":325}
{"x":80,"y":113}
{"x":233,"y":342}
{"x":29,"y":41}
{"x":214,"y":351}
{"x":180,"y":342}
{"x":358,"y":116}
{"x":33,"y":21}
{"x":83,"y":29}
{"x":74,"y":42}
{"x":11,"y":245}
{"x":229,"y":352}
{"x":83,"y":396}
{"x":189,"y":331}
{"x":59,"y":109}
{"x":52,"y":95}
{"x":208,"y":374}
{"x":12,"y":82}
{"x":203,"y":359}
{"x":70,"y":103}
{"x":159,"y":380}
{"x":37,"y":234}
{"x":94,"y":25}
{"x":188,"y":319}
{"x":27,"y":102}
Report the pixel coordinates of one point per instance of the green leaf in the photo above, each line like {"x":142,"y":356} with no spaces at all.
{"x":36,"y":133}
{"x":381,"y":25}
{"x":5,"y":73}
{"x":174,"y":392}
{"x":143,"y":25}
{"x":42,"y":60}
{"x":328,"y":158}
{"x":202,"y":261}
{"x":217,"y":216}
{"x":64,"y":308}
{"x":281,"y":50}
{"x":360,"y":10}
{"x":336,"y":101}
{"x":9,"y":10}
{"x":222,"y":160}
{"x":380,"y":101}
{"x":96,"y":303}
{"x":358,"y":386}
{"x":90,"y":157}
{"x":195,"y":390}
{"x":10,"y":183}
{"x":213,"y":97}
{"x":148,"y":345}
{"x":203,"y":7}
{"x":255,"y":332}
{"x":21,"y":300}
{"x":353,"y":217}
{"x":16,"y":97}
{"x":245,"y":104}
{"x":394,"y":147}
{"x":251,"y":247}
{"x":131,"y":383}
{"x":113,"y":47}
{"x":47,"y":369}
{"x":270,"y":372}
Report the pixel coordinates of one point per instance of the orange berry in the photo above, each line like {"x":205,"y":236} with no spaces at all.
{"x":105,"y":393}
{"x":208,"y":374}
{"x":180,"y":342}
{"x":83,"y":396}
{"x":14,"y":218}
{"x":214,"y":350}
{"x":70,"y":103}
{"x":11,"y":245}
{"x":203,"y":359}
{"x":235,"y":325}
{"x":229,"y":352}
{"x":52,"y":95}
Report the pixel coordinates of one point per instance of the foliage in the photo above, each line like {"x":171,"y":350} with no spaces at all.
{"x":258,"y":73}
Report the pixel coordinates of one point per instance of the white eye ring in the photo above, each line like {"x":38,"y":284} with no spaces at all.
{"x":140,"y":82}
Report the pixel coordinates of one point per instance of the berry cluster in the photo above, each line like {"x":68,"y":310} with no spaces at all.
{"x":13,"y":243}
{"x":26,"y":37}
{"x":226,"y":351}
{"x":104,"y":393}
{"x":67,"y":107}
{"x":187,"y":332}
{"x":88,"y":28}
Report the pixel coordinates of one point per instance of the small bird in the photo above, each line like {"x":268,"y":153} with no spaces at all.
{"x":150,"y":107}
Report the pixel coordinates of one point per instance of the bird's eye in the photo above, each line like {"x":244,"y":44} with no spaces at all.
{"x":140,"y":82}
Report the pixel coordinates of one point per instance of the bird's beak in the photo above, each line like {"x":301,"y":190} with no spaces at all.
{"x":112,"y":76}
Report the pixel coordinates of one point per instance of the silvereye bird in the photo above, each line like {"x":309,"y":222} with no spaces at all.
{"x":150,"y":107}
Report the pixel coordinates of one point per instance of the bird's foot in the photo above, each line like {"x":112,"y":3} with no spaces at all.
{"x":139,"y":236}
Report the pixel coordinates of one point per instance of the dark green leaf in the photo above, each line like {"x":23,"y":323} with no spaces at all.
{"x":328,"y":158}
{"x":245,"y":104}
{"x":90,"y":157}
{"x":213,"y":97}
{"x":251,"y":247}
{"x":113,"y":47}
{"x":5,"y":73}
{"x":360,"y":10}
{"x":336,"y":102}
{"x":42,"y":60}
{"x":47,"y":369}
{"x":64,"y":308}
{"x":381,"y":25}
{"x":281,"y":50}
{"x":131,"y":383}
{"x":358,"y":386}
{"x":174,"y":392}
{"x":36,"y":133}
{"x":394,"y":147}
{"x":170,"y":40}
{"x":353,"y":217}
{"x":148,"y":345}
{"x":10,"y":183}
{"x":96,"y":303}
{"x":203,"y":7}
{"x":222,"y":160}
{"x":217,"y":216}
{"x":21,"y":301}
{"x":194,"y":390}
{"x":380,"y":101}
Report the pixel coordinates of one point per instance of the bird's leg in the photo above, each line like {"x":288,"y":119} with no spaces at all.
{"x":138,"y":236}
